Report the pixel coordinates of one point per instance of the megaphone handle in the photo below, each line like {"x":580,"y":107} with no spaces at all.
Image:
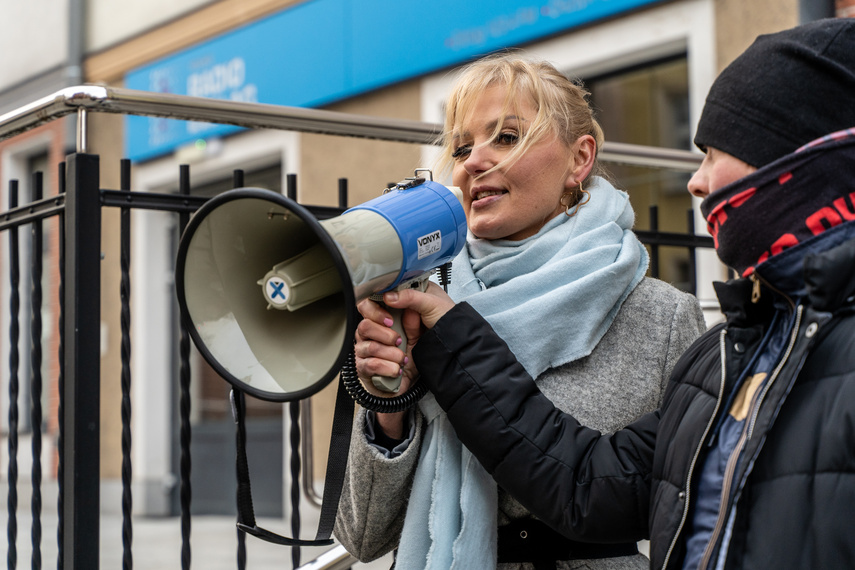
{"x":385,"y":383}
{"x":388,"y":383}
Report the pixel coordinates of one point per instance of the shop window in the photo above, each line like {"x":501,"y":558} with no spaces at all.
{"x":649,"y":105}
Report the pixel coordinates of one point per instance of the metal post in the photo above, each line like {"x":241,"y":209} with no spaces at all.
{"x":82,"y":131}
{"x":81,"y":441}
{"x":125,"y":294}
{"x":654,"y":248}
{"x":36,"y":379}
{"x":14,"y":362}
{"x":184,"y":402}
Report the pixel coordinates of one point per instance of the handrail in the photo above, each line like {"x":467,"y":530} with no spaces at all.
{"x":650,"y":156}
{"x":105,"y":99}
{"x":336,"y":558}
{"x":97,"y":98}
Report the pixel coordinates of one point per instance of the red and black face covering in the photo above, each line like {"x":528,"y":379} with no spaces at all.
{"x":784,"y":203}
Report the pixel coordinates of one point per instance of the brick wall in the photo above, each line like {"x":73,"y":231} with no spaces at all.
{"x":845,"y":8}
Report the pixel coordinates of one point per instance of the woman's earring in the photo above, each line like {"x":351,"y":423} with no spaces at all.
{"x":582,"y":197}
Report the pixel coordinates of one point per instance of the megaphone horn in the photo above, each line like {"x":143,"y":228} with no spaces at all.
{"x":268,"y":292}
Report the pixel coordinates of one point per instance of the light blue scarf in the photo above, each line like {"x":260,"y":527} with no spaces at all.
{"x":562,"y":286}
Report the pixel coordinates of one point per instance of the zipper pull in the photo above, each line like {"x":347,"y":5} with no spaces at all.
{"x":755,"y":289}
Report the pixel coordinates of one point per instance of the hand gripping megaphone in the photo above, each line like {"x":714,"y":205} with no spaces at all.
{"x":268,"y":292}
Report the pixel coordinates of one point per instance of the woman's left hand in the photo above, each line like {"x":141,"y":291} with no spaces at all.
{"x":430,"y":305}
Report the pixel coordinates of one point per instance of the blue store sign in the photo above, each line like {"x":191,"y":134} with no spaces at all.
{"x":321,"y":51}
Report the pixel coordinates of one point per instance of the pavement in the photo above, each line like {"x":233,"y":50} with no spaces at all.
{"x":156,"y":544}
{"x":156,"y":541}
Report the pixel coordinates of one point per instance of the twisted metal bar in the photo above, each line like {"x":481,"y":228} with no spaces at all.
{"x":184,"y":402}
{"x":125,"y":294}
{"x":238,"y":182}
{"x":693,"y":270}
{"x":246,"y":514}
{"x":14,"y":333}
{"x":654,"y":248}
{"x":36,"y":371}
{"x":60,"y":467}
{"x":294,"y":408}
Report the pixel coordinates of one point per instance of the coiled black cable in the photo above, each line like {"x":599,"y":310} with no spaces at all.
{"x":443,"y":274}
{"x":405,"y":401}
{"x":369,"y":401}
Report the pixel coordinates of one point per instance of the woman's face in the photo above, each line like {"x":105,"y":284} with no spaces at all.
{"x":514,"y":202}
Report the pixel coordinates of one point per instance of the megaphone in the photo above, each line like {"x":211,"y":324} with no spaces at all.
{"x":268,"y":292}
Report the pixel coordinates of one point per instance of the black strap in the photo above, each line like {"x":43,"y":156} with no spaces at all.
{"x":336,"y":463}
{"x":531,"y":540}
{"x":337,"y":458}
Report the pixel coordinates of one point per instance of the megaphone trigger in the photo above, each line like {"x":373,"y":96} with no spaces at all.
{"x":385,"y":383}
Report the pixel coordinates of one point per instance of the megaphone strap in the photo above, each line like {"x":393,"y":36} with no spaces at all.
{"x":334,"y":479}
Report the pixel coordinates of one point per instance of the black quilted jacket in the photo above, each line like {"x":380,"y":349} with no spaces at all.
{"x":796,"y":507}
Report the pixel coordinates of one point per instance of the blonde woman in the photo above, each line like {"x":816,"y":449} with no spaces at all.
{"x":552,"y":264}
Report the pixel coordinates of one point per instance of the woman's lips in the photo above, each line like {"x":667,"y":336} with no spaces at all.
{"x":482,"y":193}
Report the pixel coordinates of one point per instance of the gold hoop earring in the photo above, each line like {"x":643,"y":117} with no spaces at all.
{"x":582,"y":198}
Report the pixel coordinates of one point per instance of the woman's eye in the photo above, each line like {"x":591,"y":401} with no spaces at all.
{"x":461,"y":151}
{"x":507,"y":139}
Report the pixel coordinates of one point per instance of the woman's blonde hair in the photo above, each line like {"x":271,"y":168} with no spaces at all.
{"x":561,"y":104}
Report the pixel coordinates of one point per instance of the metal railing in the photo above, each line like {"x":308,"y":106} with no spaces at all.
{"x":78,"y":207}
{"x":95,"y":98}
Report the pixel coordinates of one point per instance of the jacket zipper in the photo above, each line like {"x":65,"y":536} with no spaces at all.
{"x":725,"y":492}
{"x":793,"y":337}
{"x":747,"y":432}
{"x":698,"y":452}
{"x":755,"y":287}
{"x":757,"y":280}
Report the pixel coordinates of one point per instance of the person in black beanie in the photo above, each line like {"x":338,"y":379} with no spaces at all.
{"x":750,"y":461}
{"x":787,"y":90}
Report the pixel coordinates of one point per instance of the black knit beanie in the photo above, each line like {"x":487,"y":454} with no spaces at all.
{"x":784,"y":91}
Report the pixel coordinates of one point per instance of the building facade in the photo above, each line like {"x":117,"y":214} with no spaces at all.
{"x":648,"y":64}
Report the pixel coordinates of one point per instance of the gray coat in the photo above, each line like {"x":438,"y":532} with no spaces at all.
{"x":622,"y":379}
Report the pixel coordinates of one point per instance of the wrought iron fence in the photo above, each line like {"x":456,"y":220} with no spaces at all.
{"x":77,"y":213}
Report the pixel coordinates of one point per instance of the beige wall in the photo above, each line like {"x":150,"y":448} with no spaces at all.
{"x":367,"y":164}
{"x":105,"y":141}
{"x":739,"y":22}
{"x":109,"y":22}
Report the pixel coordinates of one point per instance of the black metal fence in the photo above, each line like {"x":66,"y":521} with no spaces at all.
{"x":77,"y":213}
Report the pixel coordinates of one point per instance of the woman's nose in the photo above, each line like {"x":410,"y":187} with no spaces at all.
{"x":480,"y":160}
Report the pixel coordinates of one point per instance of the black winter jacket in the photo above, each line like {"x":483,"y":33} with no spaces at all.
{"x":794,"y":511}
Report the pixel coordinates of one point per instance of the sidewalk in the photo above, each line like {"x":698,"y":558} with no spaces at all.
{"x":156,"y":544}
{"x":156,"y":541}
